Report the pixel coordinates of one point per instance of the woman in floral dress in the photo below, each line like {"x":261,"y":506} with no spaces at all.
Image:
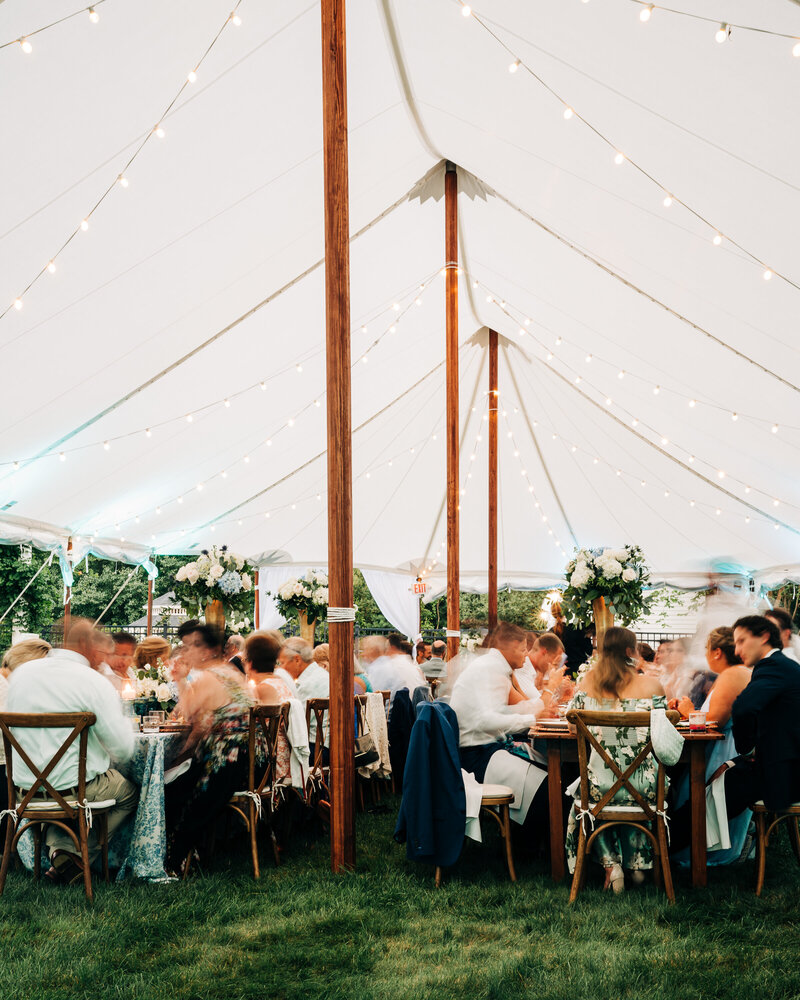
{"x":613,"y":685}
{"x":216,"y":704}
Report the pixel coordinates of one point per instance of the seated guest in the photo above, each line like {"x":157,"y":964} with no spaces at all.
{"x":613,"y":685}
{"x":676,"y":676}
{"x":436,"y":666}
{"x":790,"y":641}
{"x":286,"y":677}
{"x":645,"y":657}
{"x":764,"y":720}
{"x":234,"y":648}
{"x":19,"y":653}
{"x":311,"y":680}
{"x":486,"y":722}
{"x":731,"y":679}
{"x":322,"y":655}
{"x":117,"y":665}
{"x":216,"y":704}
{"x":388,"y":668}
{"x":541,"y":678}
{"x":154,"y":652}
{"x":261,"y":653}
{"x":423,"y":654}
{"x":66,"y":680}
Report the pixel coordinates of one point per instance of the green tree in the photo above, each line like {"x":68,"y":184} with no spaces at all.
{"x":42,"y":601}
{"x":521,"y":607}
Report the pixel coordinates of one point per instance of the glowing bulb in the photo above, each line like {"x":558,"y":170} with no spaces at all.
{"x":62,"y":456}
{"x":290,"y":422}
{"x":734,"y":416}
{"x":608,"y":401}
{"x":189,"y":418}
{"x":158,"y":510}
{"x":559,"y":341}
{"x":180,"y":499}
{"x":796,"y":51}
{"x":123,"y":180}
{"x":94,"y":17}
{"x":665,"y":440}
{"x":106,"y":445}
{"x":668,"y":201}
{"x":722,"y":33}
{"x":721,"y":474}
{"x":621,"y":374}
{"x":269,"y":442}
{"x":191,"y":76}
{"x":236,"y":20}
{"x":774,"y":428}
{"x":27,"y":48}
{"x":747,"y":519}
{"x":51,"y":267}
{"x":365,"y":359}
{"x":84,"y":224}
{"x":767,"y":274}
{"x":418,"y":302}
{"x":224,"y":474}
{"x":775,"y":503}
{"x":717,"y":511}
{"x":393,"y":329}
{"x":18,"y":304}
{"x":588,"y":358}
{"x":635,"y":422}
{"x":199,"y":487}
{"x":160,"y":133}
{"x":656,"y":390}
{"x":514,"y":66}
{"x":263,"y":386}
{"x":317,"y":403}
{"x":645,"y":12}
{"x":619,"y":158}
{"x":227,"y":403}
{"x":692,"y":403}
{"x":16,"y":465}
{"x":691,"y":459}
{"x":717,"y":239}
{"x":466,"y":10}
{"x":247,"y":458}
{"x":568,"y":113}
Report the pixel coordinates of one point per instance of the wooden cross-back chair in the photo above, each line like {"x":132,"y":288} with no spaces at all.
{"x":318,"y":773}
{"x":767,"y":821}
{"x":594,"y":816}
{"x":43,"y":804}
{"x":257,"y":801}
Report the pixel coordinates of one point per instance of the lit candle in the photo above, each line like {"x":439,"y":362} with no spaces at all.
{"x":127,"y":692}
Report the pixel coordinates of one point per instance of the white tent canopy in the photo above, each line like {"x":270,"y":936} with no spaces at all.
{"x":164,"y":387}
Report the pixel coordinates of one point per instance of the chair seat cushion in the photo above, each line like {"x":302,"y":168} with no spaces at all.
{"x":622,"y":812}
{"x":496,"y":791}
{"x":50,"y":805}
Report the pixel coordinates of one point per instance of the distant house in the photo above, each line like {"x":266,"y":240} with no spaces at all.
{"x":167,"y":602}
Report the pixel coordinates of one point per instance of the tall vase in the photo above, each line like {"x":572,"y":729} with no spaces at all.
{"x":215,"y":615}
{"x":306,"y":627}
{"x":603,"y":620}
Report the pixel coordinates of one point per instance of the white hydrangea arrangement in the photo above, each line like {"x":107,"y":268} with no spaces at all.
{"x":307,"y":593}
{"x":617,"y":575}
{"x":153,"y":683}
{"x":216,"y":575}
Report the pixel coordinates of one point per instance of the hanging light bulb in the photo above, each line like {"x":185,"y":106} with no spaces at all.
{"x":621,"y":373}
{"x":84,"y":224}
{"x":192,"y":76}
{"x":25,"y":45}
{"x":51,"y":267}
{"x":717,"y":239}
{"x":18,"y":304}
{"x":619,"y":158}
{"x":774,"y":428}
{"x":94,"y":17}
{"x":236,"y":20}
{"x":514,"y":66}
{"x":568,"y":113}
{"x":466,"y":10}
{"x":62,"y":456}
{"x":767,"y":274}
{"x":667,"y":201}
{"x":656,"y":390}
{"x":645,"y":12}
{"x":722,"y":33}
{"x":16,"y":465}
{"x":734,"y":416}
{"x":123,"y":180}
{"x":227,"y":404}
{"x":796,"y":50}
{"x":692,"y":403}
{"x":107,"y":445}
{"x":159,"y":131}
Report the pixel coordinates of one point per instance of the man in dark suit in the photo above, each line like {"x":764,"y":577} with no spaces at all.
{"x":766,"y":729}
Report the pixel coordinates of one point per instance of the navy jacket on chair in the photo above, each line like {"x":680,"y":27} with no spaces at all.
{"x":766,"y":717}
{"x":401,"y":721}
{"x":433,"y":812}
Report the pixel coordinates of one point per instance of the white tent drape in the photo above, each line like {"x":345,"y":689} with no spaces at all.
{"x":269,"y":579}
{"x":394,"y":595}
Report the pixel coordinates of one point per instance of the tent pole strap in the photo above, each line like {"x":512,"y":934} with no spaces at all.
{"x":340,"y":522}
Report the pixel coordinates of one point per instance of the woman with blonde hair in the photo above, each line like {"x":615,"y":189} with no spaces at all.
{"x":614,"y":685}
{"x":149,"y":651}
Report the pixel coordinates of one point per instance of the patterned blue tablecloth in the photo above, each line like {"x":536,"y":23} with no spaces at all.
{"x":139,"y":848}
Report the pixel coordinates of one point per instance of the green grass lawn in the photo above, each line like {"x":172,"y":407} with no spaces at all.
{"x":384,"y":932}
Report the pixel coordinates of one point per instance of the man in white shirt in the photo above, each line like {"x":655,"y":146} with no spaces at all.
{"x":541,"y":677}
{"x":66,"y":680}
{"x":486,"y":721}
{"x":388,"y":667}
{"x":118,"y":667}
{"x":310,"y":679}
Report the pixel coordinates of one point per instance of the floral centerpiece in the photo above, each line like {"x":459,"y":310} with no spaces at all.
{"x":304,"y":596}
{"x":153,"y":684}
{"x":605,"y":583}
{"x":218,"y":582}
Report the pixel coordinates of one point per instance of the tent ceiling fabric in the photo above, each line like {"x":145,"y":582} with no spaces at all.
{"x":227,"y":209}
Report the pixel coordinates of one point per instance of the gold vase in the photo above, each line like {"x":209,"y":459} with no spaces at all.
{"x":603,"y":620}
{"x":215,"y":615}
{"x":306,"y":627}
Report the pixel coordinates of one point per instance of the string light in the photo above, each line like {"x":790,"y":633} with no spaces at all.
{"x":717,"y":239}
{"x":568,"y":113}
{"x":722,"y":33}
{"x":192,"y":76}
{"x":514,"y":66}
{"x":84,"y":225}
{"x":26,"y":46}
{"x":646,"y":12}
{"x":94,"y":17}
{"x":159,"y":132}
{"x":18,"y":304}
{"x":236,"y":19}
{"x":619,"y":158}
{"x":667,"y":201}
{"x":466,"y":10}
{"x":796,"y":51}
{"x":51,"y":267}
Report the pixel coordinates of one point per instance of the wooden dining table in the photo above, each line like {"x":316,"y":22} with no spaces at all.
{"x":562,"y":748}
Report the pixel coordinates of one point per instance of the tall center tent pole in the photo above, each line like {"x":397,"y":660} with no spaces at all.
{"x":68,"y":592}
{"x":341,"y":614}
{"x":493,"y":403}
{"x":451,"y":432}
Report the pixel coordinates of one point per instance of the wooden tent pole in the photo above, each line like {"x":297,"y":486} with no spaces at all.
{"x":149,"y":605}
{"x":493,"y":403}
{"x":451,"y":432}
{"x":68,"y":595}
{"x":257,"y":607}
{"x":340,"y":528}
